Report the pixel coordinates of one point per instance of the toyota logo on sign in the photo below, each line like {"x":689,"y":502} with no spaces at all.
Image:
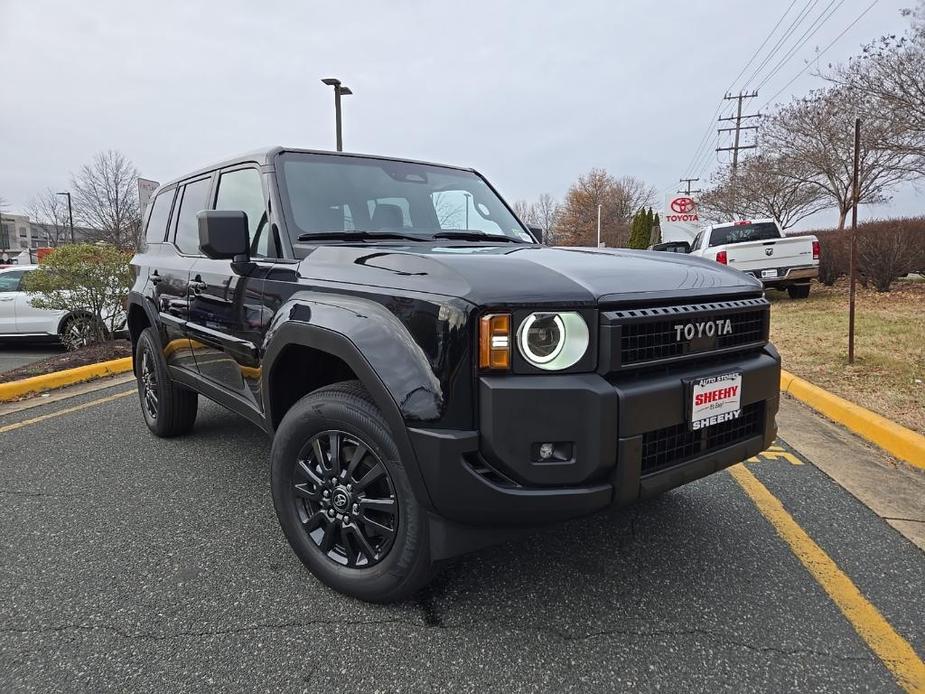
{"x":682,"y":209}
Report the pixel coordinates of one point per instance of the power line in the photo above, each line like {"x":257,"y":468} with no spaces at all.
{"x":702,"y":152}
{"x":807,"y":8}
{"x":822,"y":52}
{"x":802,"y":41}
{"x":688,"y":182}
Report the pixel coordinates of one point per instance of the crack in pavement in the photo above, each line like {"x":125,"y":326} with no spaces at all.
{"x":554,"y":632}
{"x":18,"y":492}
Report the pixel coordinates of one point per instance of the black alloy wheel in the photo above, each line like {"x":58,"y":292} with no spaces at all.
{"x":148,"y":384}
{"x":345,"y":499}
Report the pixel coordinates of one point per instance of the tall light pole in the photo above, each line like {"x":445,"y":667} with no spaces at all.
{"x":598,"y":226}
{"x":70,"y":215}
{"x":339,"y":91}
{"x":467,"y":195}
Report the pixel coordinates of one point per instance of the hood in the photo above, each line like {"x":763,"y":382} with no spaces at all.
{"x":494,"y":275}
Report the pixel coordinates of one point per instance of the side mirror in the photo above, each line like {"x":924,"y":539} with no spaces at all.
{"x":537,"y":233}
{"x":672,"y":247}
{"x":223,"y":235}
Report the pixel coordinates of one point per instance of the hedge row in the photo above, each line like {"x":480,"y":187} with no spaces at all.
{"x":887,"y":249}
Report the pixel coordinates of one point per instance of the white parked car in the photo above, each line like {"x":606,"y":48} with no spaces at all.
{"x":759,"y":248}
{"x":20,"y":319}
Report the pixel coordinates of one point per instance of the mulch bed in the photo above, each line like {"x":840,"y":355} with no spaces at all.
{"x":91,"y":354}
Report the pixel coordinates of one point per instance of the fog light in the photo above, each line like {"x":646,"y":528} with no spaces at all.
{"x":552,"y":452}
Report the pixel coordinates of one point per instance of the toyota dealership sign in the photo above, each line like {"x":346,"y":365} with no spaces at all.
{"x":680,"y":219}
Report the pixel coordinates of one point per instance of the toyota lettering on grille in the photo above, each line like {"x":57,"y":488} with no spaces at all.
{"x":711,"y":328}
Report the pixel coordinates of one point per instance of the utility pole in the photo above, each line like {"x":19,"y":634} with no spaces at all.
{"x":738,"y":127}
{"x":688,"y":182}
{"x":70,"y":215}
{"x":339,"y":91}
{"x":854,"y":237}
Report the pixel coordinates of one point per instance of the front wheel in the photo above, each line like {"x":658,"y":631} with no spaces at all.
{"x":798,"y":291}
{"x":168,"y":408}
{"x":343,"y":498}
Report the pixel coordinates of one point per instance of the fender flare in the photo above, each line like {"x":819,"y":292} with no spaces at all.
{"x":339,"y":345}
{"x":138,"y":299}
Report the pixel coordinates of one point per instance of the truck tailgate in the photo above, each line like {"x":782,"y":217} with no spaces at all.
{"x":777,"y":253}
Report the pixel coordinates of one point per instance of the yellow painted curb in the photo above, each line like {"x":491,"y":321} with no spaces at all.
{"x":59,"y":379}
{"x":895,"y":439}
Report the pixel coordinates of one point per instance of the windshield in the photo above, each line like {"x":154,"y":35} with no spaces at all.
{"x":327,"y":193}
{"x":744,"y":232}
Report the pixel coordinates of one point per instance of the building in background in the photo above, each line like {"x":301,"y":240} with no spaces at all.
{"x":19,"y":233}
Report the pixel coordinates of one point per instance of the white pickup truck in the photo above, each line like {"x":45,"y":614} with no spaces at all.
{"x":759,"y":248}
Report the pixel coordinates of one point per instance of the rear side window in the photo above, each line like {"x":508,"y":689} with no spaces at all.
{"x":744,"y":232}
{"x":160,"y":214}
{"x":195,"y":198}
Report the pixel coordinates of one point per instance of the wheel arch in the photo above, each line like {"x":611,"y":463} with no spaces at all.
{"x":337,"y":348}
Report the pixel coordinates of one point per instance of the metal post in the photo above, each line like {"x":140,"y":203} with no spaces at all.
{"x":467,"y":196}
{"x":70,"y":215}
{"x":339,"y":91}
{"x":340,"y":137}
{"x":598,"y":226}
{"x":854,"y":240}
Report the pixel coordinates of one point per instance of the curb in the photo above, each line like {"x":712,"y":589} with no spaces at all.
{"x":895,"y":439}
{"x":58,"y":379}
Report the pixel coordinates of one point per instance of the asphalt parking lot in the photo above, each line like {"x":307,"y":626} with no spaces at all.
{"x":129,"y":563}
{"x":14,"y":355}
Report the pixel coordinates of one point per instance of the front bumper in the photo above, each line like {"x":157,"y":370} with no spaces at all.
{"x":626,"y":435}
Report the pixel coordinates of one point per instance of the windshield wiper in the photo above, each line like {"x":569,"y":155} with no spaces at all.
{"x":358,"y":235}
{"x":474,"y":236}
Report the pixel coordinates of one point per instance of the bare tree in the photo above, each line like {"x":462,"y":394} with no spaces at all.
{"x":759,"y":189}
{"x":890,"y":73}
{"x":106,"y":199}
{"x":546,"y":211}
{"x":525,"y":212}
{"x":48,"y":212}
{"x":619,"y":198}
{"x":812,"y":142}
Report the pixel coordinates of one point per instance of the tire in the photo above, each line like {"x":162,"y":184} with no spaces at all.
{"x":78,"y":330}
{"x":798,"y":291}
{"x":172,"y":410}
{"x":309,"y":491}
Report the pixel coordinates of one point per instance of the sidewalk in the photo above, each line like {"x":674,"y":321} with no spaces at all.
{"x":893,"y":491}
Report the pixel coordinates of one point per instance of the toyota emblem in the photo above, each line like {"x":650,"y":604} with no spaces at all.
{"x":769,"y":251}
{"x":683,"y":205}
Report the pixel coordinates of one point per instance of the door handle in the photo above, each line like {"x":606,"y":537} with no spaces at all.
{"x":155,"y":278}
{"x":7,"y":298}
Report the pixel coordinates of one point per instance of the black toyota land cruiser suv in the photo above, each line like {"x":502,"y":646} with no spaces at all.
{"x":432,"y":376}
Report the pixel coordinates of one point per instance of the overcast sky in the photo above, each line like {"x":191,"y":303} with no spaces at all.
{"x":531,"y":94}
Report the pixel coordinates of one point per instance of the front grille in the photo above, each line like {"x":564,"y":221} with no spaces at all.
{"x":663,"y":448}
{"x":652,"y":334}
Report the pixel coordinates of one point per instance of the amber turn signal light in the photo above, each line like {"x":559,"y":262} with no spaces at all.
{"x":495,"y":341}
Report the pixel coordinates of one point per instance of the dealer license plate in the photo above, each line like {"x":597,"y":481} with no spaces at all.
{"x":715,"y":399}
{"x":768,"y":273}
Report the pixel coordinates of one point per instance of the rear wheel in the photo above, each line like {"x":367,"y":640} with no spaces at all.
{"x":798,"y":291}
{"x":168,"y":408}
{"x":343,"y":498}
{"x":79,"y":331}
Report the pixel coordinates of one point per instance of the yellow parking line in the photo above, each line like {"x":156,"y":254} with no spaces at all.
{"x":890,"y":647}
{"x":66,"y":410}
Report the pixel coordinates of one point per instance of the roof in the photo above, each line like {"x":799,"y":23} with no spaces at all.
{"x":266,"y":155}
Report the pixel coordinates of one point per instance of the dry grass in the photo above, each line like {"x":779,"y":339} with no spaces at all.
{"x":888,"y":375}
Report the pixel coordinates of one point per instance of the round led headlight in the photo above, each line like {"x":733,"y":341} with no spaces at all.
{"x":553,"y":341}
